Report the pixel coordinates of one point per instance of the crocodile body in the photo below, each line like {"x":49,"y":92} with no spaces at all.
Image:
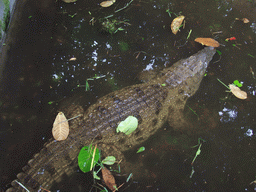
{"x":153,"y":103}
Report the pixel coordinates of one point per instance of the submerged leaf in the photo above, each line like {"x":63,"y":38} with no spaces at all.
{"x":60,"y":128}
{"x":176,"y":24}
{"x":207,"y":41}
{"x":238,"y":92}
{"x":128,"y":125}
{"x":108,"y":179}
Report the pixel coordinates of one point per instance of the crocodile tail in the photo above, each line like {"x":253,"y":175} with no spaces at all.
{"x":56,"y":160}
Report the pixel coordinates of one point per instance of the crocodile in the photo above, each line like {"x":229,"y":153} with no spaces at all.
{"x":160,"y":100}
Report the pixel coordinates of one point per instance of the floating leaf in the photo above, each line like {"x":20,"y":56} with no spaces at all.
{"x":207,"y":41}
{"x":238,"y":92}
{"x":60,"y":128}
{"x":109,"y":160}
{"x":237,"y":83}
{"x":107,"y":3}
{"x":85,"y":158}
{"x":108,"y":179}
{"x":72,"y":59}
{"x":176,"y":24}
{"x":141,"y":149}
{"x":128,"y":125}
{"x":95,"y":176}
{"x":245,"y":20}
{"x":69,"y":1}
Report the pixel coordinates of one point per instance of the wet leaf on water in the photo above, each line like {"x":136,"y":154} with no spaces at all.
{"x":108,"y":179}
{"x":95,"y":176}
{"x":60,"y":128}
{"x":141,"y":149}
{"x":69,"y":1}
{"x":238,"y":92}
{"x":107,"y":3}
{"x":207,"y":41}
{"x":237,"y":83}
{"x":245,"y":20}
{"x":109,"y":160}
{"x":72,"y":59}
{"x":128,"y":125}
{"x":176,"y":24}
{"x":85,"y":158}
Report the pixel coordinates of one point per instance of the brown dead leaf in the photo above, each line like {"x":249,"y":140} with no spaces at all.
{"x":60,"y":128}
{"x":207,"y":41}
{"x":108,"y":179}
{"x":107,"y":3}
{"x":176,"y":23}
{"x":238,"y":92}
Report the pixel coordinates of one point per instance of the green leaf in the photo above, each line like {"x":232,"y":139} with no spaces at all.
{"x":128,"y":125}
{"x":141,"y":149}
{"x":237,"y":83}
{"x":109,"y":160}
{"x":218,"y":52}
{"x":85,"y":158}
{"x":87,"y":87}
{"x":95,"y":176}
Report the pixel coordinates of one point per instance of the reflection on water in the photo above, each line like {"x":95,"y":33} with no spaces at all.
{"x":227,"y":159}
{"x":228,"y":115}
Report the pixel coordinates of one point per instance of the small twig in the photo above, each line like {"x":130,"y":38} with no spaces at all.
{"x":192,"y":110}
{"x":119,"y":187}
{"x":22,"y":186}
{"x":217,"y":32}
{"x":44,"y":189}
{"x":70,"y":119}
{"x":124,"y":6}
{"x":223,"y":83}
{"x":93,"y":156}
{"x":189,"y":33}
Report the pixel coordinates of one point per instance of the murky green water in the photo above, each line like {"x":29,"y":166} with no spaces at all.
{"x":144,"y":41}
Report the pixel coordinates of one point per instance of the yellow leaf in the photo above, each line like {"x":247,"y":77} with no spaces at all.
{"x":238,"y":92}
{"x":245,"y":20}
{"x":207,"y":41}
{"x":107,"y":3}
{"x":176,"y":23}
{"x":60,"y":128}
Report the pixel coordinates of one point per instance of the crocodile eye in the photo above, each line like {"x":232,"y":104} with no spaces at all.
{"x":102,"y":109}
